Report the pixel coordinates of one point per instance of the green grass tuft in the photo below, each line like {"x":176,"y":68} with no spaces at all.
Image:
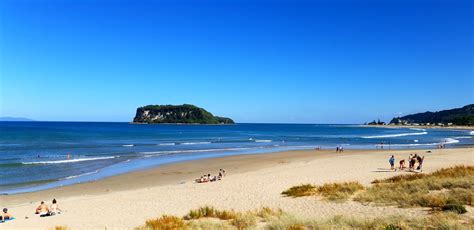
{"x":300,"y":190}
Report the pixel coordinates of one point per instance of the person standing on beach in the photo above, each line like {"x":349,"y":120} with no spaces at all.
{"x":392,"y":162}
{"x":402,"y":164}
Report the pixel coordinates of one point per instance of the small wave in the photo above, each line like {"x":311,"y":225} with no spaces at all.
{"x":405,"y":145}
{"x":191,"y":151}
{"x":167,"y":144}
{"x":471,"y":133}
{"x":419,"y":129}
{"x":196,"y":143}
{"x":396,"y":135}
{"x":463,"y":137}
{"x":68,"y":161}
{"x":75,"y":176}
{"x":128,"y":145}
{"x":263,"y":140}
{"x":444,"y":141}
{"x":415,"y":140}
{"x":450,"y":141}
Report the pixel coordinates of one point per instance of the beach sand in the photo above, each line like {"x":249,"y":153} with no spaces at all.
{"x":252,"y":181}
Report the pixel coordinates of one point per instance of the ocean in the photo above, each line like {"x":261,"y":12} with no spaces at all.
{"x":42,"y":155}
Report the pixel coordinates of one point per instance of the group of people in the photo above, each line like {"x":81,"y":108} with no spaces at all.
{"x":45,"y":210}
{"x":42,"y":210}
{"x":413,"y":159}
{"x":209,"y":178}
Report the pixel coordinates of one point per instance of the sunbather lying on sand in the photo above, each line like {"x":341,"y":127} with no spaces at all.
{"x":5,"y":215}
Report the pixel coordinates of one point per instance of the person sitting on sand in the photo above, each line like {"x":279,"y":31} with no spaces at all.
{"x":402,"y":164}
{"x":213,"y":178}
{"x":392,"y":162}
{"x":42,"y":209}
{"x":5,"y":215}
{"x":54,"y":208}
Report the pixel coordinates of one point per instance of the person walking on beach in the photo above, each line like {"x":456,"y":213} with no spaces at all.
{"x":392,"y":162}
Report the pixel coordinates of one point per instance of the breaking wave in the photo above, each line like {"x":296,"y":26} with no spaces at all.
{"x":263,"y":140}
{"x":396,"y":135}
{"x":68,"y":161}
{"x":196,"y":143}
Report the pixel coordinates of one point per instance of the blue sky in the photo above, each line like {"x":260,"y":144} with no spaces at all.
{"x":254,"y":61}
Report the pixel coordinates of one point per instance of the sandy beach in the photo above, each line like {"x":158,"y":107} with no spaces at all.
{"x":252,"y":181}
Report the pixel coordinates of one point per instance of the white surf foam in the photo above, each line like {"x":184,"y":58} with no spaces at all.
{"x":191,"y":151}
{"x":263,"y":140}
{"x":444,"y":141}
{"x":128,"y":145}
{"x":75,"y":176}
{"x":196,"y":143}
{"x":471,"y":133}
{"x":167,"y":143}
{"x":450,"y":141}
{"x":396,"y":135}
{"x":68,"y":161}
{"x":419,"y":129}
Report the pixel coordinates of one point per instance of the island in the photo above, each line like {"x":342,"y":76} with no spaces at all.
{"x":177,"y":114}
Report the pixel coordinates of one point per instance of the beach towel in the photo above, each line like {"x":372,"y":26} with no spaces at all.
{"x":8,"y":219}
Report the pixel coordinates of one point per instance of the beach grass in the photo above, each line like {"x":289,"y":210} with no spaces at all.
{"x":60,"y":228}
{"x":267,"y":218}
{"x":447,"y":189}
{"x":330,"y":191}
{"x":165,"y":222}
{"x":210,"y":212}
{"x":300,"y":190}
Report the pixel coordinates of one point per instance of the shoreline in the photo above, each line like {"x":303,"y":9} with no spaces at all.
{"x":111,"y":180}
{"x":252,"y":181}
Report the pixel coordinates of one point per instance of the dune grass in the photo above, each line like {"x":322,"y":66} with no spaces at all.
{"x":437,"y":221}
{"x":339,"y":191}
{"x":60,"y":228}
{"x":330,"y":191}
{"x":165,"y":223}
{"x":276,"y":219}
{"x":446,"y":189}
{"x":208,"y":217}
{"x":300,"y":190}
{"x":211,"y":212}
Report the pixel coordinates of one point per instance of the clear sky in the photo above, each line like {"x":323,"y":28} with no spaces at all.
{"x":327,"y":61}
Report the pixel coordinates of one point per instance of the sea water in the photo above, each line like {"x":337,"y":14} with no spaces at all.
{"x":42,"y":155}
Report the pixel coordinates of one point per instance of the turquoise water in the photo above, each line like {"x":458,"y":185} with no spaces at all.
{"x":42,"y":155}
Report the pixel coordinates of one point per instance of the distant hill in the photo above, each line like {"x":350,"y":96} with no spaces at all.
{"x":458,"y":116}
{"x":178,"y":114}
{"x":15,"y":119}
